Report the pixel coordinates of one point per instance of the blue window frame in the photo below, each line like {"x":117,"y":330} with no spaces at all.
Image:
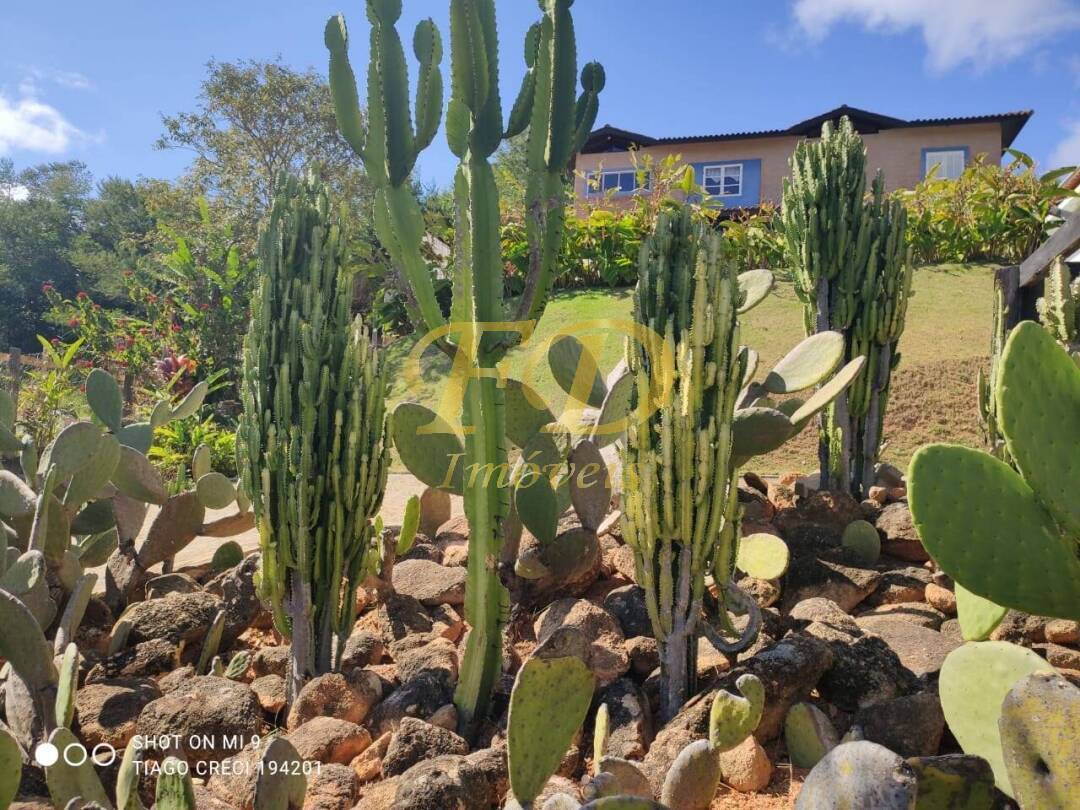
{"x":618,"y":181}
{"x":723,"y":180}
{"x":949,"y":162}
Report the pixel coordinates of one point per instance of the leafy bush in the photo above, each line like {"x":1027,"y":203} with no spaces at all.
{"x":600,"y":249}
{"x":752,"y":240}
{"x":176,"y":442}
{"x":990,"y":213}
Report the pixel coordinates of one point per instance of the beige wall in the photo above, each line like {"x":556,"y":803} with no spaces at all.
{"x":896,"y":151}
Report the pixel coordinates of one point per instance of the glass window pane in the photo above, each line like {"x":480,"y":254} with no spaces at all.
{"x":611,"y":180}
{"x":646,"y":181}
{"x":627,"y":181}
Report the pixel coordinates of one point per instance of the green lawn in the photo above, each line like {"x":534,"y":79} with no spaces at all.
{"x":933,"y":396}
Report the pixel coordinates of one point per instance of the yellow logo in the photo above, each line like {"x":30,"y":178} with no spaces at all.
{"x":465,"y":366}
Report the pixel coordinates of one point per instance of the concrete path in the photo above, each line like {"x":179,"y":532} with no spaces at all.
{"x":399,"y":488}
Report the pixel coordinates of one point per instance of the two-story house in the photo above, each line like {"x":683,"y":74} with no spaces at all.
{"x":744,"y":169}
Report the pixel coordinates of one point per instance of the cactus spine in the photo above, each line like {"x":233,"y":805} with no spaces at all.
{"x":389,"y":146}
{"x":680,"y":512}
{"x":312,"y":441}
{"x":853,"y":275}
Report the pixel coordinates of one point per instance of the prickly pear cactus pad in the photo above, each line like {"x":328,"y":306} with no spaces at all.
{"x":978,"y":617}
{"x":694,"y":776}
{"x":1039,"y":721}
{"x":67,"y":781}
{"x":547,"y":707}
{"x":764,"y":556}
{"x":984,"y":526}
{"x":10,"y":768}
{"x":733,"y":718}
{"x":973,"y":683}
{"x":1038,"y":401}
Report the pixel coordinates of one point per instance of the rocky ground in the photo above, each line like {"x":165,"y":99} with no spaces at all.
{"x":862,"y":643}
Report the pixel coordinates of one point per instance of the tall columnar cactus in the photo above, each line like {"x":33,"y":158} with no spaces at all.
{"x":388,"y":140}
{"x":1059,"y":308}
{"x":680,"y":465}
{"x":680,"y":496}
{"x":312,"y":441}
{"x":853,"y":275}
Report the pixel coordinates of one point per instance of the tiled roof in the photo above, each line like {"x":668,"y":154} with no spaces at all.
{"x":609,"y":138}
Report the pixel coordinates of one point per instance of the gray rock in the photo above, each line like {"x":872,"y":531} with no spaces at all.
{"x":332,"y":787}
{"x":420,"y":697}
{"x":348,"y":698}
{"x":627,"y":605}
{"x":271,"y":661}
{"x":812,"y":576}
{"x":629,"y":721}
{"x":450,"y":781}
{"x":864,"y":670}
{"x":915,"y":612}
{"x":243,"y":608}
{"x":820,"y":609}
{"x":415,"y":741}
{"x":920,"y":649}
{"x":429,"y":582}
{"x":148,"y":658}
{"x":415,"y":654}
{"x":362,"y":649}
{"x":911,"y":725}
{"x":206,"y":709}
{"x":107,"y":711}
{"x":901,"y":538}
{"x":330,"y":739}
{"x":859,"y":774}
{"x":607,"y":656}
{"x":898,"y":585}
{"x":178,"y":617}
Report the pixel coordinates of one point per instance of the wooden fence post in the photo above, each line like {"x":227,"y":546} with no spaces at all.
{"x":1007,"y":281}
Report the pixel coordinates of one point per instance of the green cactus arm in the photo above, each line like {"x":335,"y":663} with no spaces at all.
{"x":343,"y":86}
{"x":427,"y":45}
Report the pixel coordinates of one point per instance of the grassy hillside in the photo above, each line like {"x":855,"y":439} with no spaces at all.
{"x":946,"y":341}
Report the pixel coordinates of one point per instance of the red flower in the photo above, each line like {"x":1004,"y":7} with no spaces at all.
{"x":128,"y":274}
{"x":47,"y":287}
{"x":176,"y":327}
{"x":151,"y":298}
{"x":74,"y":323}
{"x":204,"y":307}
{"x":82,"y":296}
{"x":55,"y":341}
{"x":97,"y":307}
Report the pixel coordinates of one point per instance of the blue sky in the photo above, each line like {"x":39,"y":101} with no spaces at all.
{"x":91,"y":80}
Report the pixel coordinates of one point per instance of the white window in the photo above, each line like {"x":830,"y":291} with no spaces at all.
{"x":723,"y":181}
{"x":621,"y":181}
{"x":949,"y":163}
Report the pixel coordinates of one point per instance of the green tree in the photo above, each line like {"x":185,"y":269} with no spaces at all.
{"x":115,"y":237}
{"x":42,"y":213}
{"x":255,"y":120}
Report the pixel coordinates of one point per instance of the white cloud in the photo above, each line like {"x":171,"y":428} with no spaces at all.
{"x":30,"y":124}
{"x":69,"y":79}
{"x":1067,"y":153}
{"x":982,"y":32}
